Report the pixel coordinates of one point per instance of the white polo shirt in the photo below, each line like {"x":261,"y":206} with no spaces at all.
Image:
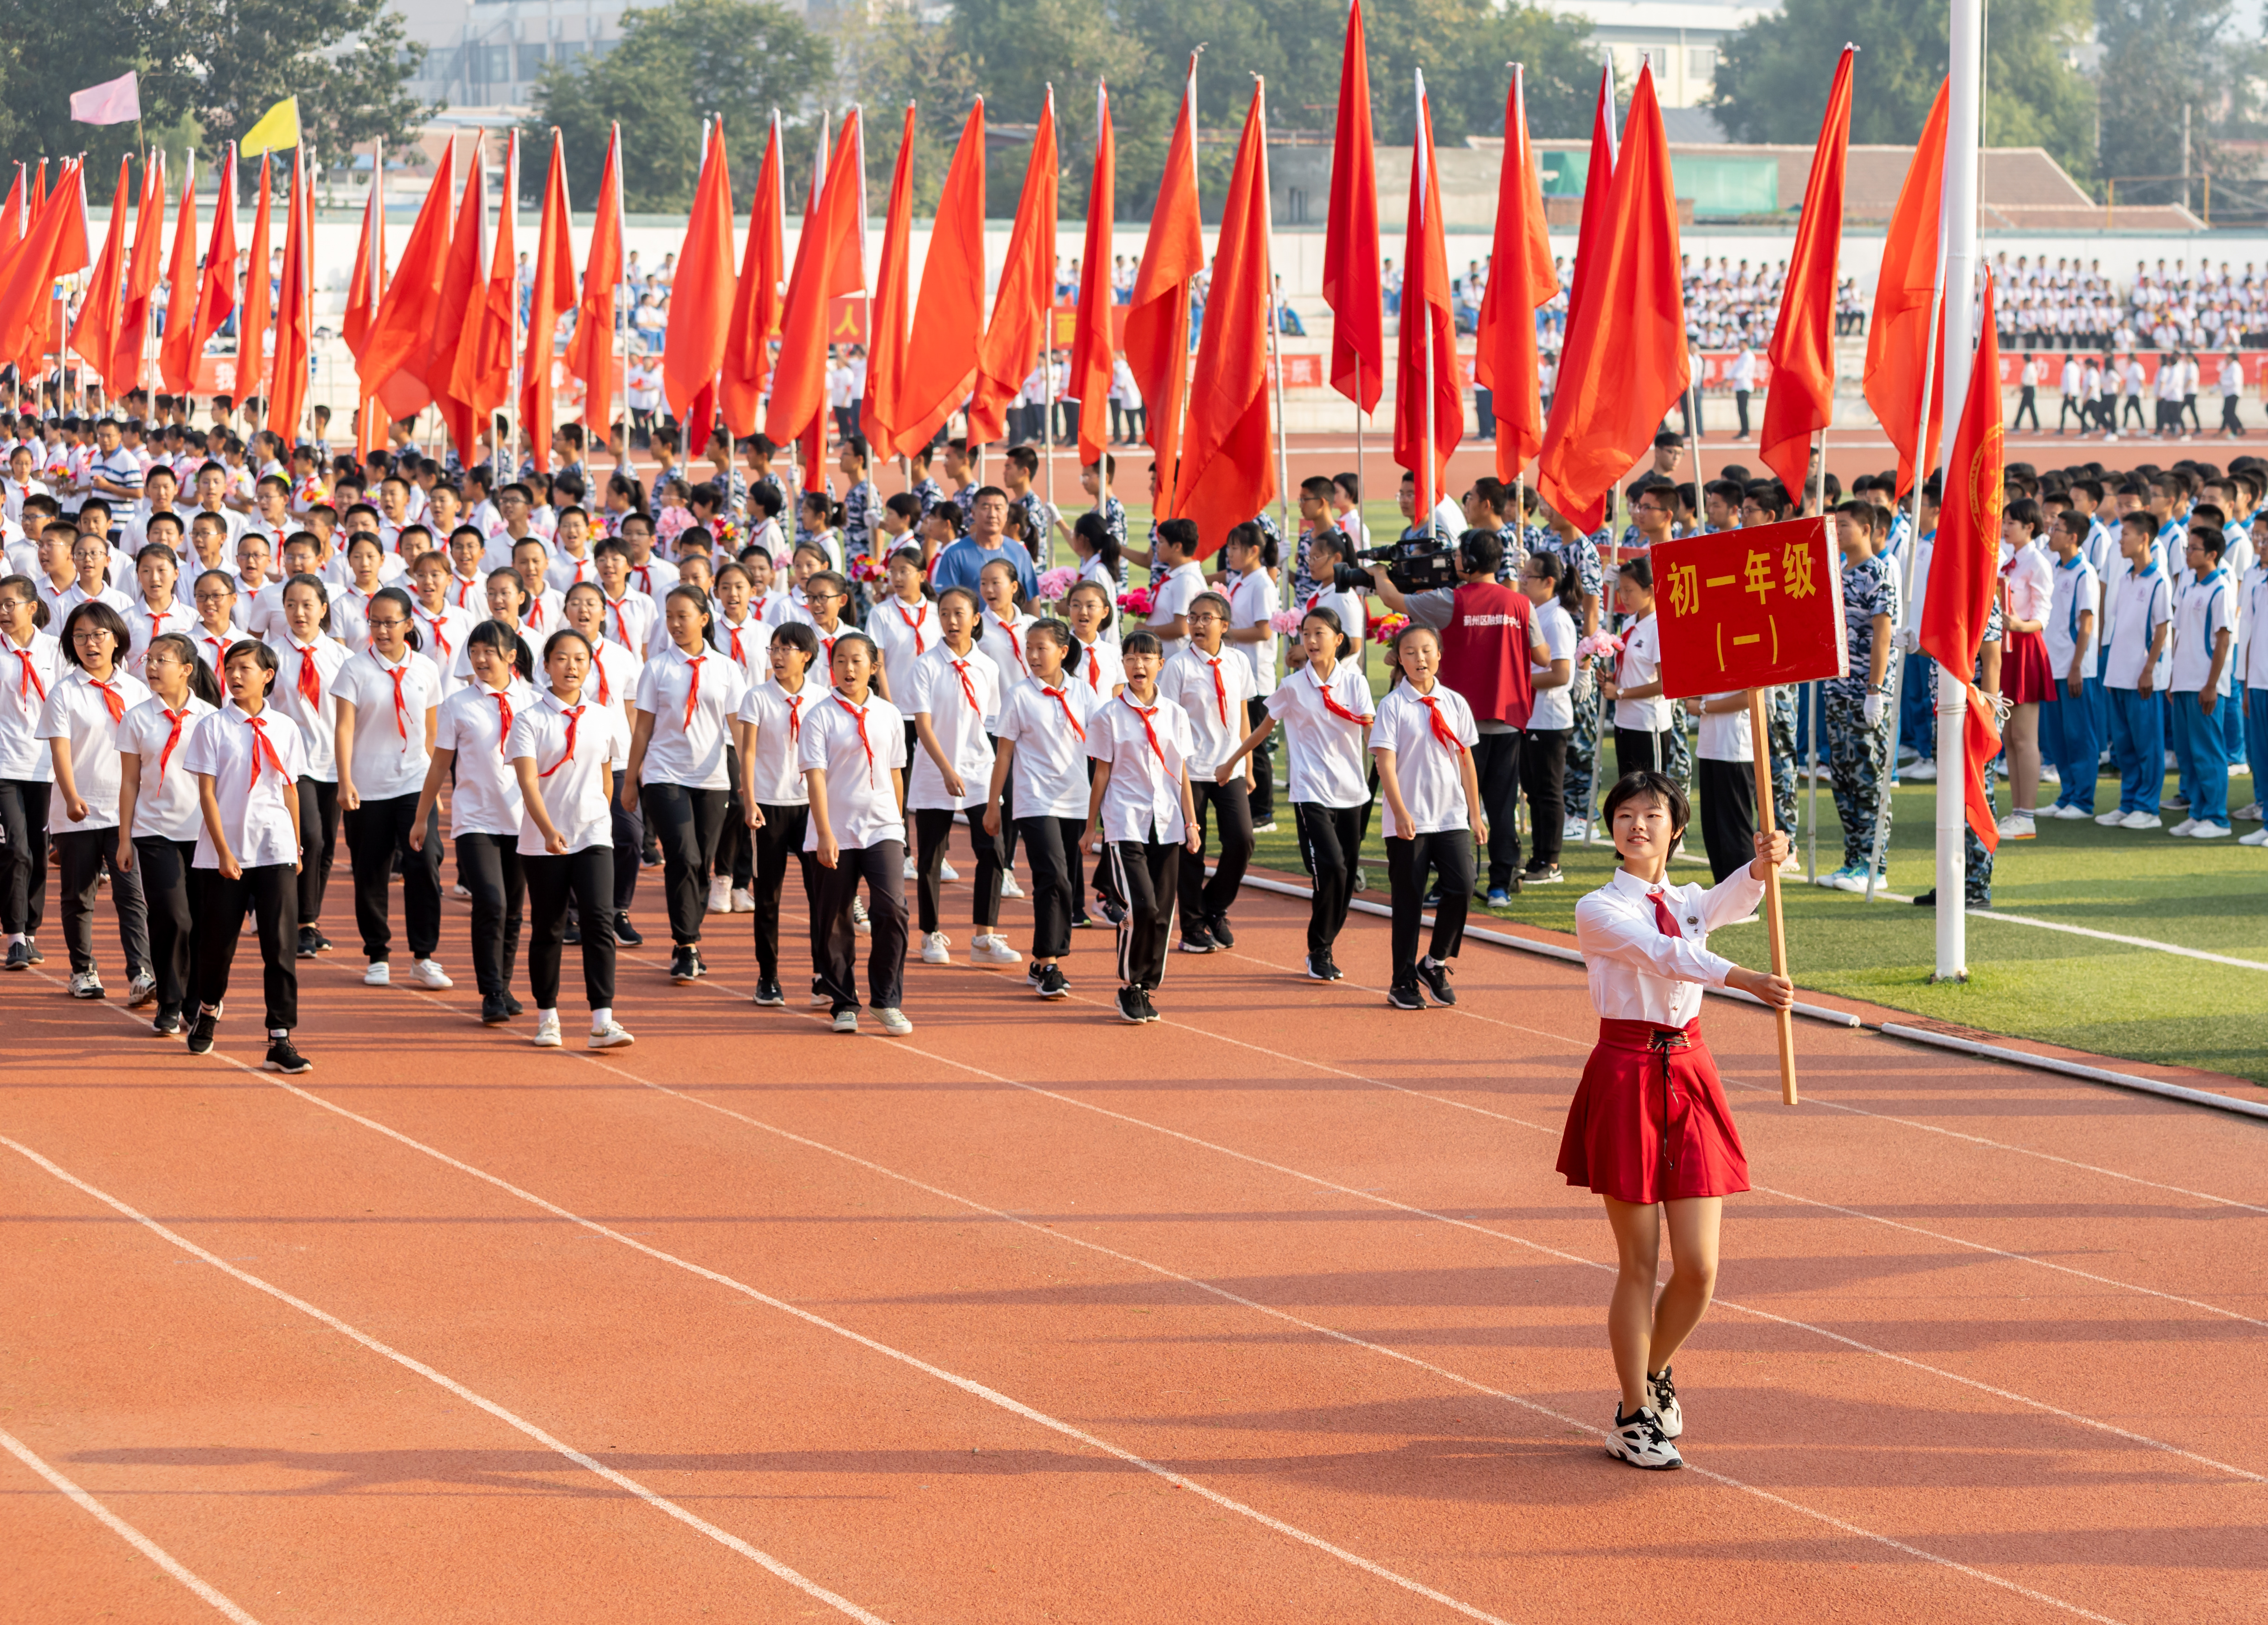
{"x":778,"y":717}
{"x":693,"y":701}
{"x":1003,"y":643}
{"x":166,"y":806}
{"x":443,"y":636}
{"x":1252,"y":602}
{"x":571,"y":766}
{"x":905,"y":633}
{"x":29,"y":674}
{"x":1048,"y":727}
{"x":1211,"y":689}
{"x":1554,"y":708}
{"x":1102,"y":667}
{"x":254,"y":764}
{"x":319,"y":722}
{"x":960,"y":694}
{"x":613,"y":675}
{"x":2208,"y":607}
{"x":630,"y":619}
{"x":1431,"y":773}
{"x":862,"y":797}
{"x":1325,"y":748}
{"x":390,"y":705}
{"x":79,"y":710}
{"x":747,"y":645}
{"x":1172,"y":596}
{"x":142,"y":625}
{"x":1639,"y":665}
{"x":1147,"y":748}
{"x":2073,"y":596}
{"x":2145,"y":603}
{"x":485,"y":799}
{"x":1726,"y":736}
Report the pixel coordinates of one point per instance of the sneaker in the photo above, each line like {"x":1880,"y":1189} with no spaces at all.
{"x":2110,"y":819}
{"x":1051,"y":983}
{"x":463,"y":893}
{"x":1572,"y":830}
{"x":512,"y":1006}
{"x":494,"y":1011}
{"x":168,"y":1021}
{"x":913,"y":869}
{"x":846,"y":1020}
{"x":894,"y":1024}
{"x":2183,"y":827}
{"x":86,"y":984}
{"x":820,"y":998}
{"x":1268,"y":828}
{"x":627,"y":934}
{"x":1500,"y":897}
{"x":573,"y":937}
{"x":1319,"y":969}
{"x":1435,"y":974}
{"x":19,"y":956}
{"x":937,"y":948}
{"x":2139,"y":819}
{"x":141,"y":990}
{"x":1080,"y":920}
{"x":946,"y":871}
{"x":2019,"y":827}
{"x":1217,"y":928}
{"x":2065,"y":811}
{"x":1008,"y":887}
{"x":281,"y":1057}
{"x":2177,"y":802}
{"x":768,"y":993}
{"x":613,"y":1035}
{"x":1405,"y":995}
{"x":1640,"y":1441}
{"x":307,"y":948}
{"x":744,"y":900}
{"x":429,"y":974}
{"x":1661,"y":1394}
{"x":684,"y":965}
{"x":547,"y":1031}
{"x":1196,"y":939}
{"x":1920,"y":773}
{"x":2258,"y":837}
{"x":32,"y":947}
{"x":1791,"y":865}
{"x":322,"y":943}
{"x":859,"y":922}
{"x":2209,"y":832}
{"x":380,"y":974}
{"x":1548,"y":875}
{"x":2250,"y":812}
{"x":1149,"y":1010}
{"x":1130,"y":1006}
{"x":1113,"y":910}
{"x":1850,"y":878}
{"x":200,"y":1036}
{"x":720,"y":894}
{"x":993,"y":949}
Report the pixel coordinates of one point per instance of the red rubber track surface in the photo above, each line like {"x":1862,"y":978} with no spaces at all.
{"x":1276,"y":1310}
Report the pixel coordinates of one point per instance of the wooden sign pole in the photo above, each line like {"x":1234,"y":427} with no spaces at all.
{"x":1783,"y":1021}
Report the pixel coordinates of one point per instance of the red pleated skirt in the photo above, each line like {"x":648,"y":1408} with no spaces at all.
{"x":2025,"y":676}
{"x":1649,"y":1121}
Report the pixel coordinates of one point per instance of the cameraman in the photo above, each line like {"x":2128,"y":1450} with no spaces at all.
{"x":1488,"y":642}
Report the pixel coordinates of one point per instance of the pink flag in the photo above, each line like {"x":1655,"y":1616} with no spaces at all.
{"x":114,"y":101}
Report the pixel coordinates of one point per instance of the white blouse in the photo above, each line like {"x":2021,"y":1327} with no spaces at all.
{"x":778,"y":717}
{"x":29,"y":674}
{"x":318,"y":723}
{"x":1639,"y":973}
{"x":1252,"y":602}
{"x":960,"y":694}
{"x":692,"y":699}
{"x":485,"y":799}
{"x":1048,"y":727}
{"x":78,"y":710}
{"x":254,"y":764}
{"x":862,"y":794}
{"x":1325,"y":748}
{"x":1430,"y":773}
{"x":1213,"y":690}
{"x":391,"y":703}
{"x":573,"y":747}
{"x":905,"y":633}
{"x":166,"y":806}
{"x":1147,"y":748}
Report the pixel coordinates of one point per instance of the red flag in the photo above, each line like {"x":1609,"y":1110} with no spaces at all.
{"x":552,"y":296}
{"x":757,"y":295}
{"x":1802,"y":399}
{"x":1598,"y":182}
{"x":481,"y":376}
{"x":287,"y":383}
{"x":176,"y":361}
{"x":1353,"y":286}
{"x":1902,"y":335}
{"x":701,"y":298}
{"x":95,"y":332}
{"x":1026,"y":291}
{"x":366,"y":283}
{"x":456,"y":304}
{"x":1156,"y":341}
{"x":1624,"y":364}
{"x":1964,"y":564}
{"x":831,"y":259}
{"x":401,"y":333}
{"x":216,"y":283}
{"x":1225,"y":474}
{"x":1521,"y":279}
{"x":949,"y":316}
{"x":252,"y":321}
{"x":1091,"y":344}
{"x":1426,"y":338}
{"x":591,"y":352}
{"x":886,"y":355}
{"x":55,"y":245}
{"x":13,"y":223}
{"x":142,"y":266}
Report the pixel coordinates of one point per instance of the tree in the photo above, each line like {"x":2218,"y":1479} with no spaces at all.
{"x":2160,"y":61}
{"x":1773,"y":74}
{"x":678,"y":62}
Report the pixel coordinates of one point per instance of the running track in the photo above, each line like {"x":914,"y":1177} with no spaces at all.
{"x":1036,"y":1317}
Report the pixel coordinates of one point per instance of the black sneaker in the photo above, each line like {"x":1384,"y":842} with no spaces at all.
{"x":1113,"y":910}
{"x":1435,"y":975}
{"x":494,"y":1011}
{"x":322,"y":943}
{"x":1051,"y":983}
{"x":1405,"y":995}
{"x":1545,"y":874}
{"x":1196,"y":939}
{"x":574,"y":937}
{"x":19,"y":956}
{"x":684,"y":965}
{"x":768,"y":994}
{"x":1926,"y":899}
{"x":168,"y":1021}
{"x":1219,"y":926}
{"x":1081,"y":921}
{"x":512,"y":1006}
{"x":1130,"y":1006}
{"x":307,"y":950}
{"x":627,"y":934}
{"x":1149,"y":1010}
{"x":283,"y":1058}
{"x":200,"y":1036}
{"x":1319,"y":969}
{"x":38,"y":957}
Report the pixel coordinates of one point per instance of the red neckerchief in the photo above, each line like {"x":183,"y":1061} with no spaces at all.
{"x":1093,"y":667}
{"x":1324,"y":693}
{"x":27,"y":679}
{"x":261,"y":742}
{"x":310,"y":682}
{"x":113,"y":701}
{"x":645,"y":577}
{"x":440,"y":638}
{"x":1156,"y":749}
{"x":693,"y":689}
{"x":503,"y":717}
{"x":858,"y":714}
{"x":738,"y":659}
{"x":601,"y":667}
{"x":794,"y":716}
{"x":614,"y":608}
{"x":464,"y":588}
{"x":968,"y":688}
{"x":219,"y":648}
{"x":1015,"y":645}
{"x":535,"y":611}
{"x":1442,"y":730}
{"x":567,"y":755}
{"x":173,"y":737}
{"x":1219,"y":686}
{"x":1063,"y":700}
{"x":1664,"y":920}
{"x":400,"y":707}
{"x":914,"y":625}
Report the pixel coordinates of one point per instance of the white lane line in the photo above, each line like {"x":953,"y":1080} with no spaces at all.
{"x":659,"y":1502}
{"x":125,"y":1530}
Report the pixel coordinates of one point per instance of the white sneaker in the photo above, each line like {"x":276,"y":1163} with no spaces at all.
{"x":720,"y":894}
{"x":1920,"y":773}
{"x":744,"y":900}
{"x":859,"y":922}
{"x":946,"y":871}
{"x":993,"y":949}
{"x":2051,"y":776}
{"x":1572,"y":830}
{"x":2183,"y":827}
{"x":895,"y":1022}
{"x":461,"y":892}
{"x":1268,"y":828}
{"x":937,"y":949}
{"x":2018,"y":827}
{"x":1008,"y":887}
{"x":2110,"y":819}
{"x":1662,"y":1394}
{"x":378,"y":975}
{"x":547,"y":1031}
{"x":2209,"y":832}
{"x":846,"y":1021}
{"x":2258,"y":837}
{"x":913,"y":870}
{"x":1791,"y":865}
{"x":2069,"y":813}
{"x":2250,"y":812}
{"x":2139,"y":819}
{"x":1640,"y":1441}
{"x":613,"y":1035}
{"x":429,"y":974}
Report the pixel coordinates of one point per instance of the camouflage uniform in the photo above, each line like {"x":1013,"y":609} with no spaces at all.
{"x":1780,"y":728}
{"x":1976,"y":885}
{"x":1855,"y":751}
{"x":1581,"y":558}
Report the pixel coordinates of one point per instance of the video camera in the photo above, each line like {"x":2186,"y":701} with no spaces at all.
{"x":1414,"y":564}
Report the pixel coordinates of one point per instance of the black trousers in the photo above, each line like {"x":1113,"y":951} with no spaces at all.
{"x":1543,"y":774}
{"x":736,"y":854}
{"x":1447,"y":854}
{"x":1052,"y":848}
{"x":273,"y":892}
{"x":933,"y":834}
{"x":1203,"y":899}
{"x":319,"y":844}
{"x":689,"y":823}
{"x":779,"y":840}
{"x":489,"y":866}
{"x":1496,"y":763}
{"x":1146,"y":874}
{"x":1741,"y":406}
{"x":164,"y":869}
{"x":2028,"y":401}
{"x":81,"y":856}
{"x":1264,"y":765}
{"x":376,"y":832}
{"x":835,"y":939}
{"x":2229,"y":420}
{"x":1006,"y":839}
{"x":23,"y":855}
{"x":1638,"y":749}
{"x":1728,"y":814}
{"x":587,"y":877}
{"x":630,"y":848}
{"x":1330,"y":842}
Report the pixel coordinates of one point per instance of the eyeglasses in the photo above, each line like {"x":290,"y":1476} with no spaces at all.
{"x":377,"y":625}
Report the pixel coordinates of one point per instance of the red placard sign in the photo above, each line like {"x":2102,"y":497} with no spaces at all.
{"x":1749,"y":609}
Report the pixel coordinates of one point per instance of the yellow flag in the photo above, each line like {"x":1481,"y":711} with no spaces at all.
{"x":278,"y":128}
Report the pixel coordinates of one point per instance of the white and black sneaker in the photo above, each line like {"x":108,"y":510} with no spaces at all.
{"x":1640,"y":1441}
{"x":1130,"y":1006}
{"x":1051,"y":983}
{"x":1663,"y":1396}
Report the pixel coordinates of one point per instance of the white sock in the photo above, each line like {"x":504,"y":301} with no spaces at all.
{"x":277,"y":1035}
{"x":602,"y":1018}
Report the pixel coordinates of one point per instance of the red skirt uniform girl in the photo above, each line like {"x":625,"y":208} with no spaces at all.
{"x":1649,"y":1129}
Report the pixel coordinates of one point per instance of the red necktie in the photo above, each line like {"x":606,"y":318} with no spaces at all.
{"x":261,"y":744}
{"x":171,"y":738}
{"x":1664,"y":921}
{"x":1063,"y":700}
{"x":28,"y":679}
{"x":1441,"y":729}
{"x":859,"y":716}
{"x":1330,"y":704}
{"x":968,"y":688}
{"x":1219,"y":690}
{"x":914,"y":625}
{"x":400,"y":707}
{"x":1156,"y":749}
{"x":113,"y":701}
{"x":568,"y":755}
{"x":693,"y":689}
{"x":1094,"y":669}
{"x":311,"y":687}
{"x":503,"y":717}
